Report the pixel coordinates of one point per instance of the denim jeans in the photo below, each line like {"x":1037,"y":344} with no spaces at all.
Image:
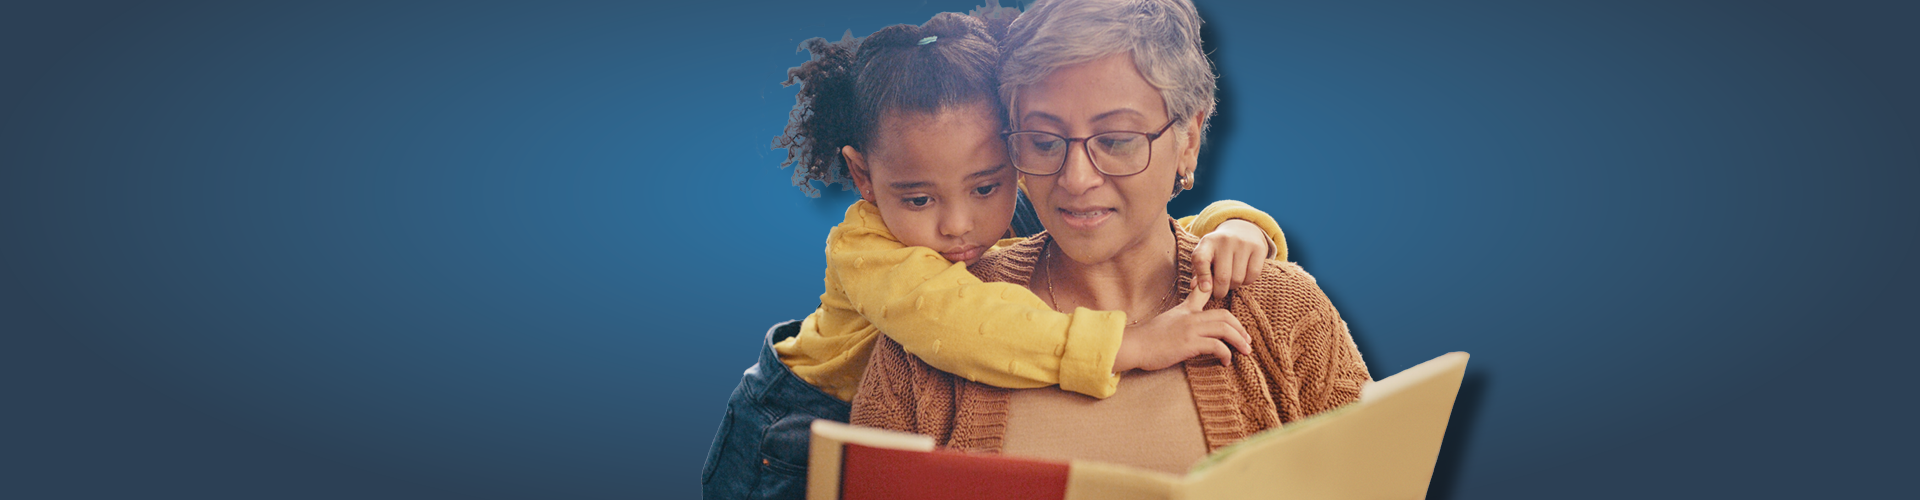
{"x":761,"y":449}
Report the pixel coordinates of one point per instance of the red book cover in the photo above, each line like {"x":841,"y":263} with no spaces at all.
{"x":880,"y":473}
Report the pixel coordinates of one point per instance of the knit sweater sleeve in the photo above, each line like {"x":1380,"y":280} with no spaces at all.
{"x":998,"y":334}
{"x":1330,"y":354}
{"x":1312,"y":363}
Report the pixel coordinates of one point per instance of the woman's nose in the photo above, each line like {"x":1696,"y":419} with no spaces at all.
{"x":1078,"y":175}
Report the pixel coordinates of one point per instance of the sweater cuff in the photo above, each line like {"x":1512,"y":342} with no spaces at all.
{"x":1221,"y":211}
{"x":1086,"y":359}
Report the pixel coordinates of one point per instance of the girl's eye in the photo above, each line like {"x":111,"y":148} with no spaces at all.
{"x":986,"y":190}
{"x":918,"y":201}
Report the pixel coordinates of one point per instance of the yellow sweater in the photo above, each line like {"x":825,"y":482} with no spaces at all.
{"x":998,"y":334}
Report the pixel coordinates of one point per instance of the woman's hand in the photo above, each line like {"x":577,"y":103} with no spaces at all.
{"x":1182,"y":333}
{"x":1230,"y":256}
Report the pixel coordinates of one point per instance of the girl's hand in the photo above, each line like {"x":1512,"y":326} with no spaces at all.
{"x":1182,"y":333}
{"x":1230,"y":256}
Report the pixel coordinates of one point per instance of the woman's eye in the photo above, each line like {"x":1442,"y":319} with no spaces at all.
{"x":986,"y":190}
{"x":1120,"y":145}
{"x":1045,"y":144}
{"x":918,"y":201}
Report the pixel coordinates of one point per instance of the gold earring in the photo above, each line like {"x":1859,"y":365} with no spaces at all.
{"x":1186,"y":181}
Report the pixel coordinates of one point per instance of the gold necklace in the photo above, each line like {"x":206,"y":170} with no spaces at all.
{"x":1047,"y":260}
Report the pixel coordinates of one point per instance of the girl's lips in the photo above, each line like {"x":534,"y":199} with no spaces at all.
{"x":964,"y":254}
{"x":1084,"y":220}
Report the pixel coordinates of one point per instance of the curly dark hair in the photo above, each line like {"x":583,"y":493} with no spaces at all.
{"x":847,"y":85}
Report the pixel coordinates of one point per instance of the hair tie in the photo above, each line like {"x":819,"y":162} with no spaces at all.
{"x":928,"y":40}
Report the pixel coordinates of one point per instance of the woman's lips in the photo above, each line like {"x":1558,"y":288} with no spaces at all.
{"x":964,"y":254}
{"x":1085,"y":219}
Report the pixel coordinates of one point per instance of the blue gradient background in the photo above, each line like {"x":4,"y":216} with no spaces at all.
{"x":480,"y":250}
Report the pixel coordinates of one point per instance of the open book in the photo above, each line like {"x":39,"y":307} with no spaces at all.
{"x":1383,"y":446}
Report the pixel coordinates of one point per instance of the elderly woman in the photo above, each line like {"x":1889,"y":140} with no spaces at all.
{"x":1108,"y":103}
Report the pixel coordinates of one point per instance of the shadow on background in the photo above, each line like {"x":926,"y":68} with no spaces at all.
{"x":1460,"y":427}
{"x":1218,"y":134}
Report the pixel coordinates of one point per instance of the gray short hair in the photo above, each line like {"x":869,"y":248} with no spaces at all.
{"x":1163,"y":35}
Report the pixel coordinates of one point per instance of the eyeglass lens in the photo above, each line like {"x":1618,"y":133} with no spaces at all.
{"x":1113,"y":153}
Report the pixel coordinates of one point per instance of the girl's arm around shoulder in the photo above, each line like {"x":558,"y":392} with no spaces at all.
{"x":998,"y":334}
{"x":1220,"y":212}
{"x":1234,"y":240}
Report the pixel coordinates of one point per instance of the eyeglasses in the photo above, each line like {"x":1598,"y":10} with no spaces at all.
{"x":1117,"y":153}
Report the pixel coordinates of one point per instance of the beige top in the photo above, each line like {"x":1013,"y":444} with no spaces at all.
{"x":1149,"y":422}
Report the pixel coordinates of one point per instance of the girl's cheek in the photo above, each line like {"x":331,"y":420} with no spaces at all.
{"x":912,"y":229}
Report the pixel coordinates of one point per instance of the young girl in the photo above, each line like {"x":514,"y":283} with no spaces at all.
{"x":911,"y":117}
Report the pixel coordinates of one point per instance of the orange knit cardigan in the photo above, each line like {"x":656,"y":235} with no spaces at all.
{"x":1304,"y":362}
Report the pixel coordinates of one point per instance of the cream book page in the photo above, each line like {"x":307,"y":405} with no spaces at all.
{"x":1383,"y":446}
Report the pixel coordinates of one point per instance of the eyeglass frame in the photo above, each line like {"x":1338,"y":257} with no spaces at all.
{"x":1007,"y":136}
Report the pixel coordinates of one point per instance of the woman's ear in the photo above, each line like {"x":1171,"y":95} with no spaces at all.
{"x":857,"y":167}
{"x":1190,"y":147}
